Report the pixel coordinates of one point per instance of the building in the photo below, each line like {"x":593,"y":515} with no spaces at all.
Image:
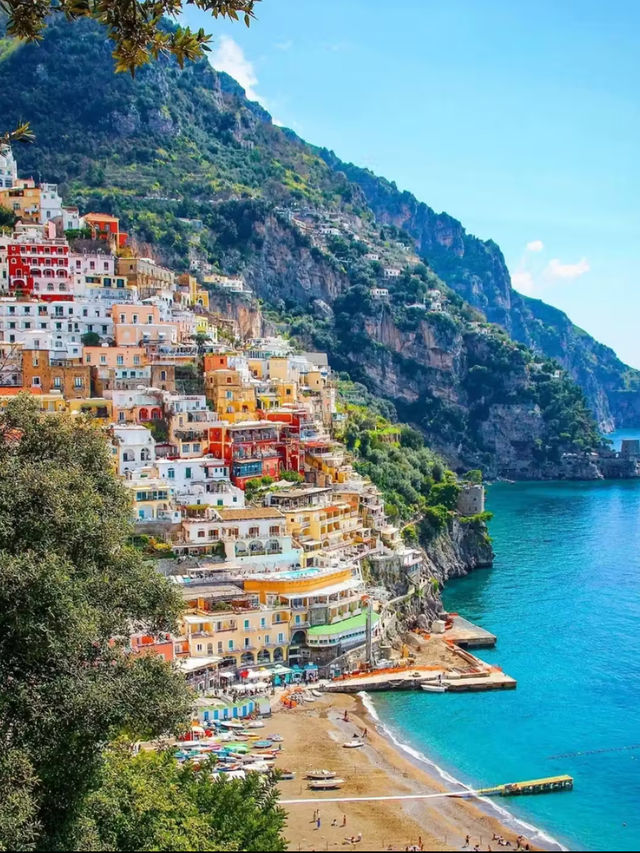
{"x":379,"y":292}
{"x":50,"y":203}
{"x":23,"y":200}
{"x":8,"y":167}
{"x":68,"y":376}
{"x":133,"y":446}
{"x":249,"y":448}
{"x":107,"y":228}
{"x":232,"y":397}
{"x":38,"y":263}
{"x":392,"y":272}
{"x":471,"y":499}
{"x":146,"y":275}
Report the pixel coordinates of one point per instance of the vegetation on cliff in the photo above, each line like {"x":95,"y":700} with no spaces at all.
{"x":199,"y":172}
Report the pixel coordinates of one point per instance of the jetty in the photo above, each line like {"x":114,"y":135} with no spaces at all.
{"x":411,"y":678}
{"x":549,"y":784}
{"x":466,"y":635}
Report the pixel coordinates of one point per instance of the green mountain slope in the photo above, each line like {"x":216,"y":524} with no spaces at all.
{"x":476,"y":270}
{"x":199,"y":172}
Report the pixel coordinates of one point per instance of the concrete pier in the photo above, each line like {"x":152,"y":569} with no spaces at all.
{"x":466,"y":635}
{"x":491,"y":679}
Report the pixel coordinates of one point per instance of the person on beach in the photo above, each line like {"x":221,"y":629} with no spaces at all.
{"x":466,"y":842}
{"x":344,"y":820}
{"x":318,"y":822}
{"x":334,"y":822}
{"x":346,"y":716}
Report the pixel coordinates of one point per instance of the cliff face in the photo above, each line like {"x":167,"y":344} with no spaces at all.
{"x":477,"y":271}
{"x":200,"y":174}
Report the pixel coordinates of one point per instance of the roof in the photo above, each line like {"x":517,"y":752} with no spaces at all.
{"x":351,"y":624}
{"x":104,"y":216}
{"x":324,"y":590}
{"x":194,"y":664}
{"x":248,"y":514}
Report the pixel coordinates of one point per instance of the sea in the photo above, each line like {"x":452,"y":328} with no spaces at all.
{"x":563,"y":598}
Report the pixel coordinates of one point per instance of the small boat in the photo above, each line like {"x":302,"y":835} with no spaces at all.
{"x":287,"y":774}
{"x":321,"y":774}
{"x":434,"y":688}
{"x":353,"y":744}
{"x":230,"y":724}
{"x":308,"y":698}
{"x":262,"y":744}
{"x":276,"y":738}
{"x":255,"y":724}
{"x":325,"y":784}
{"x":317,"y":694}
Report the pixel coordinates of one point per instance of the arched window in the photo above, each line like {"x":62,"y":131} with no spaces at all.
{"x":144,"y":414}
{"x":247,"y":657}
{"x":256,"y":547}
{"x":264,"y":656}
{"x":241,"y":549}
{"x":156,"y":414}
{"x":278,"y":655}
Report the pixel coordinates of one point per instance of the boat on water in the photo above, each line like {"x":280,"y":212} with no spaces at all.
{"x":325,"y":784}
{"x":353,"y":744}
{"x":321,"y":774}
{"x":434,"y":688}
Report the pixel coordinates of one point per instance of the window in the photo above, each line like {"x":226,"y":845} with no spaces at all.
{"x":187,"y":473}
{"x":134,"y":319}
{"x":196,"y":448}
{"x":246,"y":624}
{"x":201,"y":534}
{"x":163,"y":373}
{"x":120,"y":360}
{"x":220,"y":647}
{"x":171,"y":473}
{"x":136,"y":359}
{"x":149,"y":319}
{"x":57,"y":382}
{"x":267,"y":639}
{"x":35,"y":380}
{"x":263,"y":622}
{"x":230,"y":645}
{"x":199,"y":647}
{"x":103,"y":359}
{"x":281,"y":638}
{"x":78,"y":382}
{"x":186,"y":448}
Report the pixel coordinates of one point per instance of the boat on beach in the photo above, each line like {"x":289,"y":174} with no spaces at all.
{"x":321,"y":774}
{"x":353,"y":744}
{"x":287,"y":774}
{"x":325,"y":784}
{"x":434,"y":688}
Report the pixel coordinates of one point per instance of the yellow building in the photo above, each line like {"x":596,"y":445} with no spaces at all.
{"x":243,"y":637}
{"x":23,"y":201}
{"x":98,"y":408}
{"x":52,"y":402}
{"x":232,"y":399}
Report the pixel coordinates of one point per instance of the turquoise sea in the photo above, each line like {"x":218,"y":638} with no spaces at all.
{"x":564,"y":600}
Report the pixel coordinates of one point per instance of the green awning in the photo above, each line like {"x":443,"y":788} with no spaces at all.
{"x":350,"y":624}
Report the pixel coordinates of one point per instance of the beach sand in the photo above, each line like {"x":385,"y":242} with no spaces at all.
{"x":313,"y":737}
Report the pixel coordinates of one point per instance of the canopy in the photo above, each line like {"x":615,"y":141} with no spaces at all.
{"x":279,"y":669}
{"x":253,"y":675}
{"x":226,"y":675}
{"x":260,"y":685}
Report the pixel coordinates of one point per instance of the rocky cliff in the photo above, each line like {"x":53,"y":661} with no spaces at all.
{"x":199,"y":173}
{"x":477,"y":271}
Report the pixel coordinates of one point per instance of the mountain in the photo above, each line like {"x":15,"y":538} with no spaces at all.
{"x":202,"y":176}
{"x":477,"y":271}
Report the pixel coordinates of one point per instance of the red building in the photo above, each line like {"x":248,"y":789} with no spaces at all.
{"x":39,"y":266}
{"x":296,"y":426}
{"x":105,"y":227}
{"x":249,"y":448}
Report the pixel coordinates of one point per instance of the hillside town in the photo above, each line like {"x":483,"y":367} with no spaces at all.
{"x":239,"y":490}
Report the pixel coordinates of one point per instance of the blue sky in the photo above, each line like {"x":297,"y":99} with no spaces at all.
{"x":519,"y":119}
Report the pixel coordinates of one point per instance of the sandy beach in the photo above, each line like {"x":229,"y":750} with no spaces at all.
{"x":313,"y":737}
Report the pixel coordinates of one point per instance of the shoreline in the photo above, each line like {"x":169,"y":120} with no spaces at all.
{"x":313,"y":737}
{"x":510,"y":821}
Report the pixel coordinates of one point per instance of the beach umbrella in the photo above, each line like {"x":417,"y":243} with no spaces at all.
{"x":253,"y":675}
{"x":260,"y":685}
{"x":279,"y":669}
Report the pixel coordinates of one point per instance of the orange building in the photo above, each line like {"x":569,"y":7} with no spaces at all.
{"x":105,"y":227}
{"x":68,"y":376}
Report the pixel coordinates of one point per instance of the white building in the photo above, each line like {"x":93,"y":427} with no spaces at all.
{"x":57,"y":325}
{"x":372,"y":256}
{"x":8,"y":167}
{"x":50,"y":203}
{"x":134,"y":446}
{"x":392,"y":272}
{"x":379,"y":292}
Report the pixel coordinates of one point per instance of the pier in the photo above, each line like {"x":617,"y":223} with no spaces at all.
{"x":412,"y":678}
{"x":548,"y":785}
{"x":466,"y":635}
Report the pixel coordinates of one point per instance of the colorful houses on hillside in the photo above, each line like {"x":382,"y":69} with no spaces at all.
{"x":226,"y":449}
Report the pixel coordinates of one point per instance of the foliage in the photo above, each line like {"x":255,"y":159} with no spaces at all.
{"x":90,"y":339}
{"x":68,"y":586}
{"x":292,"y":476}
{"x":149,"y":802}
{"x":7,"y":218}
{"x":136,"y":27}
{"x":478,"y":518}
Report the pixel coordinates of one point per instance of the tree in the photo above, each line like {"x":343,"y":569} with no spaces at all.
{"x":90,"y":339}
{"x":149,"y":802}
{"x":71,"y":591}
{"x":135,"y":26}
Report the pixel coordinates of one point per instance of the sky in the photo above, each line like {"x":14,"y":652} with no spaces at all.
{"x":521,"y":120}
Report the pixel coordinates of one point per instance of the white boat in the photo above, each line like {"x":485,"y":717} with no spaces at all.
{"x":255,"y":724}
{"x":434,"y":688}
{"x":316,"y":693}
{"x":325,"y":784}
{"x":230,"y":724}
{"x":353,"y":744}
{"x":276,"y":738}
{"x":321,"y":774}
{"x":307,"y":697}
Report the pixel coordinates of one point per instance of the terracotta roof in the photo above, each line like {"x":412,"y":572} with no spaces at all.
{"x":248,"y":514}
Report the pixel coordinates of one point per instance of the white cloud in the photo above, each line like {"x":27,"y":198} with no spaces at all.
{"x":522,"y":281}
{"x":284,"y":45}
{"x":228,"y":56}
{"x":535,"y":246}
{"x":556,"y":269}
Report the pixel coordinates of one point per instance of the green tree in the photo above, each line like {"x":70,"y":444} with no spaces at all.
{"x":90,"y":339}
{"x":149,"y":802}
{"x":71,"y":591}
{"x":135,"y":26}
